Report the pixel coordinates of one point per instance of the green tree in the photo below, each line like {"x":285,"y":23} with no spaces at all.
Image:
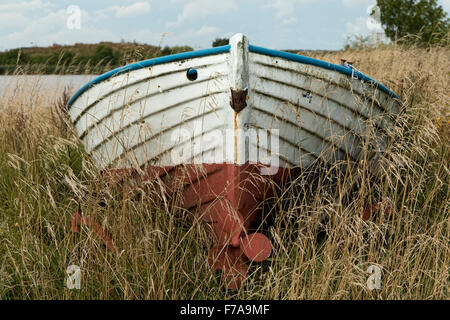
{"x":14,"y":56}
{"x":404,"y":18}
{"x":166,"y":51}
{"x":220,"y":42}
{"x":58,"y":57}
{"x":104,"y":54}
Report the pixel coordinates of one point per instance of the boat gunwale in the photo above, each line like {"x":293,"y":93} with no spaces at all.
{"x":139,"y":100}
{"x":324,"y":65}
{"x":145,"y":64}
{"x":138,"y":82}
{"x":224,"y":49}
{"x":360,"y":94}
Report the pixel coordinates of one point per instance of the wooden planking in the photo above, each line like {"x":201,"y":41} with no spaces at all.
{"x":103,"y":89}
{"x":303,"y":133}
{"x":157,"y":111}
{"x":134,"y":121}
{"x":137,"y":96}
{"x":334,"y":119}
{"x":312,"y":73}
{"x":157,"y":149}
{"x":324,"y":96}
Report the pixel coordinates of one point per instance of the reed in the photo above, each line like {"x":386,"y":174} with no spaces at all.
{"x":322,"y":246}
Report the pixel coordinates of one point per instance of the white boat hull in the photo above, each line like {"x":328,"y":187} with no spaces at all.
{"x":129,"y":120}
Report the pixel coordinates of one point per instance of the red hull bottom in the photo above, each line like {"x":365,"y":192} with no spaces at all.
{"x":228,"y":199}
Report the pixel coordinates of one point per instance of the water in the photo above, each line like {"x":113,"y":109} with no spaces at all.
{"x":45,"y":87}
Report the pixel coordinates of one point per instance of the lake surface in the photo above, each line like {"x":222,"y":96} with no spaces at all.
{"x":47,"y":87}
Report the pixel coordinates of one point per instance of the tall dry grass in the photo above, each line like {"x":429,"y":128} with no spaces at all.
{"x":322,"y":246}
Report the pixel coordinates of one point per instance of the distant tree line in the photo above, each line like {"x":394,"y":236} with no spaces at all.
{"x":81,"y":58}
{"x":422,"y":22}
{"x":220,"y":42}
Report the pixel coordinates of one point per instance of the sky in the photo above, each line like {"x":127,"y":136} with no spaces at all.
{"x":277,"y":24}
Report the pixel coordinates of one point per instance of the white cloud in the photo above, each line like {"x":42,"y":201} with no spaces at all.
{"x":358,"y":3}
{"x":47,"y":24}
{"x":201,"y":32}
{"x":150,"y":36}
{"x":49,"y":27}
{"x":11,"y":20}
{"x":194,"y":37}
{"x":358,"y":27}
{"x":52,"y":28}
{"x":189,"y":37}
{"x":284,"y":8}
{"x":20,"y":6}
{"x":290,"y":20}
{"x":201,"y":8}
{"x":446,"y":5}
{"x":135,"y":9}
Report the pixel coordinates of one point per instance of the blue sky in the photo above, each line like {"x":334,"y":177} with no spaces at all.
{"x":279,"y":24}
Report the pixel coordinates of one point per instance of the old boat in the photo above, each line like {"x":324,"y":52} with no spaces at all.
{"x":226,"y":124}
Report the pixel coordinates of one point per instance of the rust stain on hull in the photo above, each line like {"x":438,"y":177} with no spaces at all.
{"x":235,"y":138}
{"x":239,"y":99}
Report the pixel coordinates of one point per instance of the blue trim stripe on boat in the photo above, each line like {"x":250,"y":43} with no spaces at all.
{"x":322,"y":64}
{"x":217,"y":50}
{"x":148,"y":63}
